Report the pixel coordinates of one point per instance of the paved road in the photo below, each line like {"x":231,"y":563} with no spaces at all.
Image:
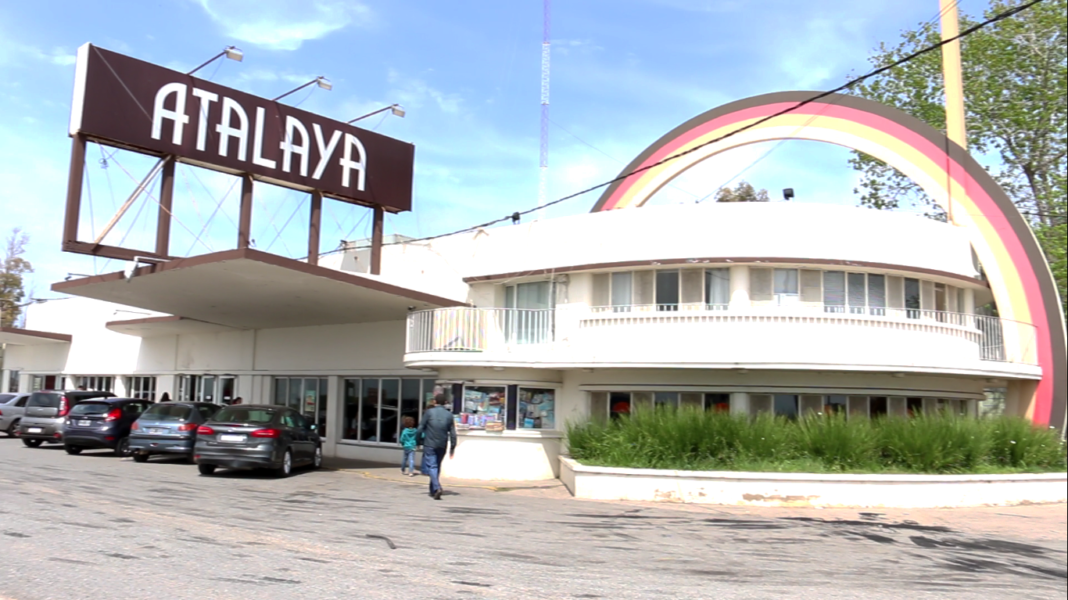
{"x":93,"y":526}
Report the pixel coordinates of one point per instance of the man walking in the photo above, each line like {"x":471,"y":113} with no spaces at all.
{"x":438,"y":432}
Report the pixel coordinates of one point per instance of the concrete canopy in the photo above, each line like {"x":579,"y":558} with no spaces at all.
{"x":169,"y":325}
{"x":249,"y":289}
{"x":26,"y":337}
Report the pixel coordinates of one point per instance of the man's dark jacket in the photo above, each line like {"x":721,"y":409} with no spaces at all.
{"x":437,"y":428}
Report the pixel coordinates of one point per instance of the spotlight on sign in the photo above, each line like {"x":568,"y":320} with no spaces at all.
{"x":230,"y":52}
{"x":393,"y":108}
{"x":320,"y":81}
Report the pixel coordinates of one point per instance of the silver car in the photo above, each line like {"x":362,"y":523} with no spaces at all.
{"x":12,"y":407}
{"x":169,"y":428}
{"x":46,"y":412}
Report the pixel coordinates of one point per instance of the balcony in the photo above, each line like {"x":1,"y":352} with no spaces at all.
{"x":715,"y":336}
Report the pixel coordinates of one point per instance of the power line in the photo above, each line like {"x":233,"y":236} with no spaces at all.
{"x":511,"y":217}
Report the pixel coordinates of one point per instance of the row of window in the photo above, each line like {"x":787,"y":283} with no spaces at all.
{"x":615,"y":404}
{"x":837,"y":291}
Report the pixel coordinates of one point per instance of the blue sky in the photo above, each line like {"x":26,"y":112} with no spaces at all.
{"x":624,"y":72}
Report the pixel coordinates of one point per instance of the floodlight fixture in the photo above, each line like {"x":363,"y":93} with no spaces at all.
{"x":788,"y":194}
{"x":396,"y":109}
{"x":230,"y":52}
{"x":320,"y":81}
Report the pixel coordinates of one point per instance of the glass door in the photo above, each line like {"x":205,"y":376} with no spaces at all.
{"x":206,"y":390}
{"x":227,"y":389}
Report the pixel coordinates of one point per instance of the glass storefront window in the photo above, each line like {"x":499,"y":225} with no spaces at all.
{"x":483,"y":404}
{"x":389,"y":412}
{"x":537,"y":408}
{"x":374,"y":408}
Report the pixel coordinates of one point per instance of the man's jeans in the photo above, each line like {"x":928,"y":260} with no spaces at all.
{"x":432,"y":458}
{"x":408,"y":464}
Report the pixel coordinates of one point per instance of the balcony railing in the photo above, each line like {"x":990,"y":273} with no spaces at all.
{"x":477,"y":329}
{"x":489,"y":329}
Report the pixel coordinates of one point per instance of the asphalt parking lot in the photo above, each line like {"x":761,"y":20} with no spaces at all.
{"x":94,"y":526}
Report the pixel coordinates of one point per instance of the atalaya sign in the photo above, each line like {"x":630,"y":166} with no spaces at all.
{"x":133,"y":104}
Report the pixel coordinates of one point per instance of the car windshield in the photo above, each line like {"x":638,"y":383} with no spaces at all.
{"x":167,"y":412}
{"x":237,"y":414}
{"x":45,"y":399}
{"x":89,"y":408}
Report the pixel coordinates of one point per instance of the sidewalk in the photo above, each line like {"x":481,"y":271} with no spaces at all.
{"x":391,"y":472}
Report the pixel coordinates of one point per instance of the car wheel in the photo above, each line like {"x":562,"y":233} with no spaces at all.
{"x":122,"y":448}
{"x":206,"y":469}
{"x":73,"y":450}
{"x":140,"y":457}
{"x":317,"y":459}
{"x":13,"y":430}
{"x":31,"y":443}
{"x":287,"y":465}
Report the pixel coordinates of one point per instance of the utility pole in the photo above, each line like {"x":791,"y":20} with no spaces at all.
{"x":954,"y":87}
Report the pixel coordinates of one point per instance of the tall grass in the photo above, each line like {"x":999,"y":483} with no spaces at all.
{"x":692,"y":439}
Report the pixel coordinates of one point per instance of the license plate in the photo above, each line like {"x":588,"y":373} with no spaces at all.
{"x":157,"y":431}
{"x":83,"y":423}
{"x":231,"y":438}
{"x":34,"y":430}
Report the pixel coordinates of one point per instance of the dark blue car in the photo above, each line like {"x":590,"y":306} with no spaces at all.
{"x":103,"y":423}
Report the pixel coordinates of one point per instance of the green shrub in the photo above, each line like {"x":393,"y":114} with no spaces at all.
{"x":692,"y":439}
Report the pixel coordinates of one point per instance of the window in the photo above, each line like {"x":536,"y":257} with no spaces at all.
{"x":786,"y":290}
{"x":484,"y":404}
{"x":618,"y":404}
{"x":13,"y":381}
{"x":834,"y":404}
{"x":834,"y":298}
{"x":877,"y":295}
{"x":374,"y":407}
{"x":717,"y":288}
{"x":532,"y":320}
{"x":306,"y":395}
{"x":667,"y":290}
{"x":142,"y":388}
{"x":718,"y":402}
{"x":96,"y":384}
{"x":666,"y":399}
{"x":621,"y":291}
{"x":537,"y":408}
{"x":912,"y":298}
{"x":47,"y":382}
{"x":857,"y":295}
{"x":786,"y":405}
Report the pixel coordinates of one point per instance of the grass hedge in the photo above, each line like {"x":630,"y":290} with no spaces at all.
{"x":689,"y":438}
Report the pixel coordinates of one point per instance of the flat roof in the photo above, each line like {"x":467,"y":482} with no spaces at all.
{"x":249,"y":289}
{"x":28,"y":337}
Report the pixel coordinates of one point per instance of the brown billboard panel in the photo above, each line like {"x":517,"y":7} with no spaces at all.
{"x":130,"y":103}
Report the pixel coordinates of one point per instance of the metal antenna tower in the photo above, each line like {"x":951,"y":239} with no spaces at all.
{"x":543,"y":181}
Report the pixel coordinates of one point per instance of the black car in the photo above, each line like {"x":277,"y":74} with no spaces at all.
{"x":169,"y":428}
{"x":255,"y":436}
{"x":46,"y":413}
{"x":102,"y":423}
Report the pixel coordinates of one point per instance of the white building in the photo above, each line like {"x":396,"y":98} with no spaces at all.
{"x":742,"y":307}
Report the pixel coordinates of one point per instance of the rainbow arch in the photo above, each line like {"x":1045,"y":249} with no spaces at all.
{"x":1016,"y":268}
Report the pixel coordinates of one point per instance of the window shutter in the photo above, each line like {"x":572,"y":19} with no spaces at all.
{"x":759,"y":403}
{"x":600,"y":289}
{"x":834,"y":291}
{"x":811,"y":286}
{"x":895,"y":292}
{"x":876,"y":291}
{"x":693,"y":292}
{"x":643,"y":289}
{"x":927,"y":295}
{"x":760,"y":282}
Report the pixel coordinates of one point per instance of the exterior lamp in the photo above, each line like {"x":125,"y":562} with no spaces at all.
{"x":231,"y":52}
{"x":393,"y":108}
{"x":320,"y":81}
{"x":788,"y":194}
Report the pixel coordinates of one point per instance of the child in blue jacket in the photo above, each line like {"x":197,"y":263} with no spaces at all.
{"x":409,"y":439}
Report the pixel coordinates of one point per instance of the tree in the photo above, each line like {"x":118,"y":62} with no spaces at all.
{"x":743,"y":192}
{"x":1015,"y":93}
{"x":12,"y":289}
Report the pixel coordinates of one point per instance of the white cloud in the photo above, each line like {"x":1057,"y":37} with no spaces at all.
{"x":283,"y":24}
{"x":412,"y":92}
{"x":13,"y":52}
